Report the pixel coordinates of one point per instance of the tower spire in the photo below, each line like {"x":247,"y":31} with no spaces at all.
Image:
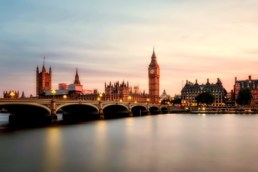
{"x":76,"y":79}
{"x":153,"y":58}
{"x":43,"y":67}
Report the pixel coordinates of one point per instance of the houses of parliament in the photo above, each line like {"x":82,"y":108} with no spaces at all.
{"x":118,"y":91}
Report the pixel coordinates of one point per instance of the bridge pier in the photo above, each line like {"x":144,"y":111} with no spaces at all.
{"x":130,"y":109}
{"x":101,"y":113}
{"x":53,"y":110}
{"x":148,"y":108}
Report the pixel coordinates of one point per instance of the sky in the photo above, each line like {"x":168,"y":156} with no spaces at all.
{"x":113,"y":41}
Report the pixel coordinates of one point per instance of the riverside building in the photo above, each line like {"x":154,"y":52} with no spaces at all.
{"x":191,"y":90}
{"x":248,"y":83}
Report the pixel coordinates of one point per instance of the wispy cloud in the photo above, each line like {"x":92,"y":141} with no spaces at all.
{"x":113,"y":40}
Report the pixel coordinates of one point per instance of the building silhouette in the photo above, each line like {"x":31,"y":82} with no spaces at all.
{"x":43,"y":80}
{"x":154,"y":75}
{"x":191,"y":90}
{"x":248,"y":83}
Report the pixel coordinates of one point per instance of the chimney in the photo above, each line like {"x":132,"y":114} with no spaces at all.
{"x":235,"y":79}
{"x":249,"y":77}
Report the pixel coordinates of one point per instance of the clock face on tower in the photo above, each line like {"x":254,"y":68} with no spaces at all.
{"x":152,"y":71}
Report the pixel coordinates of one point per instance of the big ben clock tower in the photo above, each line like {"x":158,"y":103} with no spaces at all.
{"x":154,"y":73}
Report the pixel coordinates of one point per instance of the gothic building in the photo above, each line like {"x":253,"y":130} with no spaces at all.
{"x":248,"y":83}
{"x":73,"y":90}
{"x":191,"y":90}
{"x":154,"y":74}
{"x":122,"y":92}
{"x":11,"y":94}
{"x":43,"y":80}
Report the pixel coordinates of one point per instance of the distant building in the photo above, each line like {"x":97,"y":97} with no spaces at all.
{"x":164,"y":95}
{"x":43,"y":80}
{"x":248,"y":83}
{"x":13,"y":94}
{"x":154,"y":75}
{"x":191,"y":90}
{"x":122,"y":92}
{"x":74,"y":90}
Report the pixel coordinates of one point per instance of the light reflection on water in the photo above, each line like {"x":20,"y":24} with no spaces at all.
{"x":152,"y":143}
{"x":53,"y":149}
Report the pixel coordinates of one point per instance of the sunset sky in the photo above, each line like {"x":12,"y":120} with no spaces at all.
{"x":113,"y":41}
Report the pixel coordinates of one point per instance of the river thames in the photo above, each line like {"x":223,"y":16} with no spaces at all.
{"x":171,"y":142}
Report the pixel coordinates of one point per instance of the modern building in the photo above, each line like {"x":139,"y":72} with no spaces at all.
{"x":154,"y":76}
{"x":248,"y":83}
{"x":123,"y":92}
{"x":43,"y":80}
{"x":191,"y":90}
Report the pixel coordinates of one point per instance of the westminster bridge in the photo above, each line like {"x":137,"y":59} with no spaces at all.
{"x":31,"y":109}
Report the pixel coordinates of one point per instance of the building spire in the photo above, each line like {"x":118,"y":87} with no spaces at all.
{"x":76,"y":79}
{"x":153,"y":58}
{"x":43,"y":67}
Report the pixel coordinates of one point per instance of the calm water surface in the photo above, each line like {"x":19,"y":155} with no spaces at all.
{"x":172,"y":142}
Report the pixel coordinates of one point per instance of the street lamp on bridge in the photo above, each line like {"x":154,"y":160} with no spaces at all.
{"x":129,"y":99}
{"x":53,"y":92}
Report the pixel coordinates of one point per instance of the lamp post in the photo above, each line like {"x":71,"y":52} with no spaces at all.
{"x":65,"y":97}
{"x":53,"y":106}
{"x":101,"y":114}
{"x":129,"y":105}
{"x":147,"y":102}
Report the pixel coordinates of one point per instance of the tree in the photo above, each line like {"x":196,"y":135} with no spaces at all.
{"x":177,"y":100}
{"x":244,"y":96}
{"x":205,"y":97}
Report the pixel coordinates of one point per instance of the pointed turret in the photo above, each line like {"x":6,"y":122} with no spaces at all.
{"x":196,"y":82}
{"x":208,"y":82}
{"x":76,"y":79}
{"x":37,"y":70}
{"x":219,"y":82}
{"x":23,"y":95}
{"x":153,"y":59}
{"x":43,"y":67}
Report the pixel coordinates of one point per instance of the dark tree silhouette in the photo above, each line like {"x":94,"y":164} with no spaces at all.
{"x":205,"y":97}
{"x":177,"y":100}
{"x":244,"y":96}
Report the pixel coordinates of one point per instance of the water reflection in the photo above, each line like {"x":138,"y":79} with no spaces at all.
{"x":53,"y":150}
{"x":150,"y":143}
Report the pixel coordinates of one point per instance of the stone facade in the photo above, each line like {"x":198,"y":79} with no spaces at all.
{"x":154,"y":75}
{"x":43,"y":80}
{"x":248,"y":83}
{"x":123,"y":92}
{"x":191,"y":90}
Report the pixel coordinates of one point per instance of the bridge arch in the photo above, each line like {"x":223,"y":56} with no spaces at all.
{"x":139,"y":110}
{"x":81,"y":111}
{"x":115,"y":110}
{"x":16,"y":107}
{"x":154,"y":110}
{"x":27,"y":113}
{"x":164,"y":109}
